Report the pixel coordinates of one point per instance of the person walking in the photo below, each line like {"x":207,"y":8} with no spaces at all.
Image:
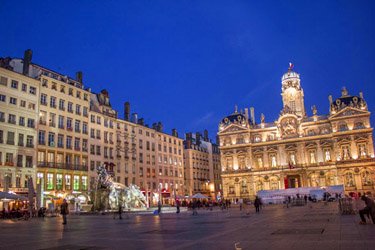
{"x":195,"y":208}
{"x":159,"y":207}
{"x":257,"y":204}
{"x":368,"y":210}
{"x":119,"y":212}
{"x":64,"y":210}
{"x":178,"y":206}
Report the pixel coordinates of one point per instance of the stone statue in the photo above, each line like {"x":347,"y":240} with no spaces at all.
{"x":262,"y":118}
{"x":314,"y":110}
{"x":119,"y":194}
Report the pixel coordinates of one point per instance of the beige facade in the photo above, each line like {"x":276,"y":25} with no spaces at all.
{"x":170,"y":165}
{"x":18,"y":117}
{"x":298,"y":150}
{"x":202,"y":166}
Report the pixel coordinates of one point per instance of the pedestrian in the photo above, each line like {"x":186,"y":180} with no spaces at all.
{"x":240,"y":202}
{"x":305,"y":197}
{"x":178,"y":206}
{"x":119,"y":212}
{"x":195,"y":212}
{"x":368,"y":210}
{"x":159,"y":207}
{"x":64,"y":210}
{"x":257,"y":204}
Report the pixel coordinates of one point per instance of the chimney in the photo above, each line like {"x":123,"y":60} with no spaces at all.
{"x":79,"y":76}
{"x":127,"y":111}
{"x":160,"y":127}
{"x":141,"y":121}
{"x":252,"y":117}
{"x":28,"y":55}
{"x":135,"y":118}
{"x":174,"y":132}
{"x":247,"y":114}
{"x":205,"y":135}
{"x":198,"y":138}
{"x":188,"y":140}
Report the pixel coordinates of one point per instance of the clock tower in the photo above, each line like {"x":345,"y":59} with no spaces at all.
{"x":292,"y":93}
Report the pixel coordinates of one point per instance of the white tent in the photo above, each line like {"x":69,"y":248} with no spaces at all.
{"x":199,"y":196}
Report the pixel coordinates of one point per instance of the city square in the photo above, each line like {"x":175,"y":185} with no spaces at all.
{"x":314,"y":226}
{"x":187,"y":124}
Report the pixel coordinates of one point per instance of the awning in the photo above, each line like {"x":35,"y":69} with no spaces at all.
{"x":10,"y":196}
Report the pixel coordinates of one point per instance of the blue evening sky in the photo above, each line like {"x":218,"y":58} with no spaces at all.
{"x":187,"y":63}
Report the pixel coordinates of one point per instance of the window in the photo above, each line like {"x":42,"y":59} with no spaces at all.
{"x":84,"y":182}
{"x":49,"y":181}
{"x":3,"y":81}
{"x":71,"y":91}
{"x":60,"y":141}
{"x":85,"y":112}
{"x":61,"y":122}
{"x":52,"y":102}
{"x":77,"y":143}
{"x":62,"y":88}
{"x":9,"y":159}
{"x":20,"y":140}
{"x":84,"y":128}
{"x":30,"y":123}
{"x":29,"y":161}
{"x":52,"y":120}
{"x":70,"y":107}
{"x":92,"y":118}
{"x":78,"y":109}
{"x":2,"y":98}
{"x":59,"y":178}
{"x":13,"y":101}
{"x":98,"y":120}
{"x":84,"y":145}
{"x":10,"y":138}
{"x":62,"y":104}
{"x":32,"y":90}
{"x":92,"y":133}
{"x":76,"y":182}
{"x":77,"y":126}
{"x":51,"y":139}
{"x":69,"y":124}
{"x":14,"y":84}
{"x":21,"y":121}
{"x":68,"y":182}
{"x":24,"y":87}
{"x":69,"y":142}
{"x":30,"y":141}
{"x":42,"y":137}
{"x":43,"y":99}
{"x":23,"y":104}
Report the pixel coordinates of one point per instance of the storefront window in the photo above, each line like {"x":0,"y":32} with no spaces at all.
{"x":84,"y":182}
{"x":68,"y":182}
{"x":49,"y":181}
{"x":59,"y":181}
{"x":76,"y":182}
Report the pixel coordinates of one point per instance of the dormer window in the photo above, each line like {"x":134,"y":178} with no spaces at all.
{"x":71,"y":91}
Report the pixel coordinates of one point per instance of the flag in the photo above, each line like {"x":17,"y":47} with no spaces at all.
{"x":290,"y":166}
{"x":291,"y":66}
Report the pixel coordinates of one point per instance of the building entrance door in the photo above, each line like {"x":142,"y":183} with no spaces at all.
{"x":294,"y":181}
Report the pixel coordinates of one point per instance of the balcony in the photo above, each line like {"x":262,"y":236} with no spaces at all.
{"x":69,"y":128}
{"x":12,"y":121}
{"x":7,"y":163}
{"x":42,"y":142}
{"x":67,"y":166}
{"x":52,"y":124}
{"x":20,"y":144}
{"x":42,"y":122}
{"x":30,"y":145}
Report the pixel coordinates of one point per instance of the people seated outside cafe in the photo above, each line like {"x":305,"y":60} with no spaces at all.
{"x":368,"y":210}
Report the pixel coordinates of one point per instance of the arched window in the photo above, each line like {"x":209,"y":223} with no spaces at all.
{"x":244,"y":187}
{"x":343,"y":127}
{"x":359,"y":125}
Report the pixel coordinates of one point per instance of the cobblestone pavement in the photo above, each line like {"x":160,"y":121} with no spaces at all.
{"x":315,"y":226}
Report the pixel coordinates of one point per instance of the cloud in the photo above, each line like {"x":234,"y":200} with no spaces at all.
{"x":204,"y":120}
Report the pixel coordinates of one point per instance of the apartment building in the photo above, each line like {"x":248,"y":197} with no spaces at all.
{"x":18,"y":116}
{"x":202,"y":166}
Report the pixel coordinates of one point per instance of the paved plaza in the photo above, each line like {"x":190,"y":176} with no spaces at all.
{"x":316,"y":226}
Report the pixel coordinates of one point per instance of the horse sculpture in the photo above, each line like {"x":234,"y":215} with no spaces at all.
{"x":128,"y":197}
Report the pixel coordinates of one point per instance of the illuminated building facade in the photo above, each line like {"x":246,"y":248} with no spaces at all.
{"x":298,"y":150}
